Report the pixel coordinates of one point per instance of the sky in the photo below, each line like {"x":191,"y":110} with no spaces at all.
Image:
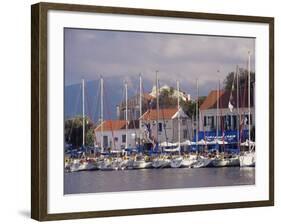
{"x":184,"y":57}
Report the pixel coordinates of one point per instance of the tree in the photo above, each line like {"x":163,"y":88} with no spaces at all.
{"x":73,"y":131}
{"x":243,"y":79}
{"x":168,"y":100}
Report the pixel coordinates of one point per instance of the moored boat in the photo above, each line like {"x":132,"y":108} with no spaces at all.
{"x":201,"y":162}
{"x":106,"y":164}
{"x":141,"y":162}
{"x":176,"y":162}
{"x":161,"y":162}
{"x":74,"y":167}
{"x":247,"y":159}
{"x":188,"y":161}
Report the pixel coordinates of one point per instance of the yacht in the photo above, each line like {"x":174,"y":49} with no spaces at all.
{"x":247,"y":159}
{"x":140,"y":162}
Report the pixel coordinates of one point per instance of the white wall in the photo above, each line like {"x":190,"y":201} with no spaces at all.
{"x":15,"y":112}
{"x":118,"y":134}
{"x":224,"y":112}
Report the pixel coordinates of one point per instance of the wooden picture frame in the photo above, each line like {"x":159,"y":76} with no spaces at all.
{"x":39,"y":108}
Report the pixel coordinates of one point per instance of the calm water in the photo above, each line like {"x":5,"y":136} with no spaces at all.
{"x":149,"y":179}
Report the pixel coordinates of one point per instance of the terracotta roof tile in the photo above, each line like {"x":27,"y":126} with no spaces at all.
{"x":211,"y":101}
{"x":113,"y":125}
{"x":164,"y":114}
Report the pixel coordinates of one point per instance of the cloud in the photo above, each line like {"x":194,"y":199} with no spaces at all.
{"x":91,"y":53}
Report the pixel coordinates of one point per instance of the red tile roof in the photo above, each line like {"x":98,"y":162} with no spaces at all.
{"x":113,"y":125}
{"x":164,"y":114}
{"x":211,"y":101}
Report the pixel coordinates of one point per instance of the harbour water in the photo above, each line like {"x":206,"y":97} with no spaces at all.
{"x":153,"y":179}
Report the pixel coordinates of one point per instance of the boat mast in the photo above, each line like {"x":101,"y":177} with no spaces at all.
{"x":126,"y":114}
{"x":217,"y":113}
{"x":101,"y":109}
{"x":157,"y":105}
{"x":83,"y":111}
{"x":179,"y":127}
{"x":249,"y":97}
{"x":238,"y":112}
{"x":140,"y":105}
{"x":197,"y":105}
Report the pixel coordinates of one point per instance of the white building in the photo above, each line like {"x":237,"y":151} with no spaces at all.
{"x":114,"y":134}
{"x":185,"y":97}
{"x":215,"y":112}
{"x":167,"y":125}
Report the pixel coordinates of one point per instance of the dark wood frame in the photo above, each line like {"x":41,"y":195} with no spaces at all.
{"x":39,"y":110}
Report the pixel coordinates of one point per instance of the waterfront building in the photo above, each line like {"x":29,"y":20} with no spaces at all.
{"x":215,"y":112}
{"x":114,"y":134}
{"x":167,"y":130}
{"x":134,"y":107}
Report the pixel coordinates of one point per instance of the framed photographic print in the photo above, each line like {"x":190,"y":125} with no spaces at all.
{"x":140,"y":111}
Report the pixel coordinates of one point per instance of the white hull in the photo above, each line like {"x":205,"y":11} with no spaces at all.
{"x":142,"y":164}
{"x":188,"y":162}
{"x":74,"y":167}
{"x":202,"y":162}
{"x":220,"y":162}
{"x":87,"y":166}
{"x":235,"y":161}
{"x":160,"y":163}
{"x":176,"y":162}
{"x":106,"y":165}
{"x":130,"y":164}
{"x":247,"y":159}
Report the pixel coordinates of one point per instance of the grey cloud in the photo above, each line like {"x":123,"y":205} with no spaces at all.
{"x":90,"y":53}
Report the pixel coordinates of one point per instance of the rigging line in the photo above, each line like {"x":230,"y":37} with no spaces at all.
{"x":97,"y":99}
{"x":244,"y":101}
{"x":163,"y":117}
{"x":222,"y":117}
{"x":89,"y":106}
{"x":91,"y":119}
{"x":75,"y":111}
{"x":131,"y":111}
{"x":109,"y":115}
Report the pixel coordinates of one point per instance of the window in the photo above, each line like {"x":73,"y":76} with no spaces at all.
{"x":212,"y":122}
{"x":185,"y":134}
{"x":123,"y":138}
{"x":234,"y":122}
{"x":105,"y":141}
{"x":205,"y":121}
{"x":116,"y":139}
{"x":160,"y":127}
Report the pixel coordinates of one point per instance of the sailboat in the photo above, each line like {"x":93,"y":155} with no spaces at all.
{"x":105,"y":164}
{"x":139,"y":161}
{"x":82,"y":163}
{"x":176,"y":161}
{"x":161,"y":161}
{"x":220,"y":160}
{"x":201,"y":160}
{"x":248,"y":158}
